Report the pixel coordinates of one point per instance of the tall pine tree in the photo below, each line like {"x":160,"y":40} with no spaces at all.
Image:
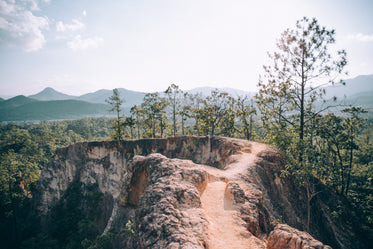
{"x":300,"y":69}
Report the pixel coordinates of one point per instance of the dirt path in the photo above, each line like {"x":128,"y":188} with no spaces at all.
{"x":226,"y":229}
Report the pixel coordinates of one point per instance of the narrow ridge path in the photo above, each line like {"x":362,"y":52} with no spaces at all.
{"x":226,"y":229}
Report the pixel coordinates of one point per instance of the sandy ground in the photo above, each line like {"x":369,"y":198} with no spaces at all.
{"x":226,"y":229}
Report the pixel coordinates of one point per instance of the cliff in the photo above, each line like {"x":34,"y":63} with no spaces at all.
{"x":183,"y":192}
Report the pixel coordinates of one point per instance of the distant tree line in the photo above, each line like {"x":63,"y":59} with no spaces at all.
{"x":175,"y":113}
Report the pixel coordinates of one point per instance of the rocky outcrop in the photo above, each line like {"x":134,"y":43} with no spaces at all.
{"x":284,"y":236}
{"x":168,"y":213}
{"x":183,"y":192}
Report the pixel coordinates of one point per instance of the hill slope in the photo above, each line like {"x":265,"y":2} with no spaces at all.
{"x":359,"y":84}
{"x":21,"y":108}
{"x":16,"y":101}
{"x":51,"y":94}
{"x":205,"y":91}
{"x":131,"y":97}
{"x":362,"y":99}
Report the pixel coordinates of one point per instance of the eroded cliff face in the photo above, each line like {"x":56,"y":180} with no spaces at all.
{"x":186,"y":192}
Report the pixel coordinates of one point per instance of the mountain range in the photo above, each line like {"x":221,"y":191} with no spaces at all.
{"x":354,"y":87}
{"x":21,"y":108}
{"x":50,"y":104}
{"x":131,"y":97}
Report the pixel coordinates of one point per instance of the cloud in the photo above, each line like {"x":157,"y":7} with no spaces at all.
{"x":33,"y":4}
{"x":361,"y":37}
{"x":82,"y":44}
{"x":76,"y":25}
{"x":19,"y":27}
{"x":84,"y":13}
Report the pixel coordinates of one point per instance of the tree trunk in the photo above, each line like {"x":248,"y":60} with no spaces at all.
{"x":307,"y":186}
{"x":301,"y":121}
{"x":342,"y":173}
{"x":251,"y":127}
{"x":138,"y":131}
{"x":153,"y":128}
{"x":197,"y":127}
{"x":161,"y":124}
{"x":182,"y":126}
{"x":131,"y":130}
{"x":119,"y":132}
{"x":349,"y":172}
{"x":174,"y":117}
{"x":246,"y":127}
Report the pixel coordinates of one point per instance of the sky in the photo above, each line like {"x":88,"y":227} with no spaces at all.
{"x":81,"y":46}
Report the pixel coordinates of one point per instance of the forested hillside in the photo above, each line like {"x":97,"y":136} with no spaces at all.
{"x":21,"y":108}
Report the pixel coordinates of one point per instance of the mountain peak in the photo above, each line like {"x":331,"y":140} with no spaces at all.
{"x":50,"y":94}
{"x":49,"y":89}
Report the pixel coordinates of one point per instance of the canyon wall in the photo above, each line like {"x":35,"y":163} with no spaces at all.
{"x":186,"y":192}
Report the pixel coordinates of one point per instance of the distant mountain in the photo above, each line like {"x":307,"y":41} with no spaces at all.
{"x":205,"y":91}
{"x":357,"y":92}
{"x":51,"y":94}
{"x":359,"y":84}
{"x":97,"y":97}
{"x":6,"y":96}
{"x":21,"y":108}
{"x":16,"y":101}
{"x":362,"y":99}
{"x":50,"y":104}
{"x":131,"y":97}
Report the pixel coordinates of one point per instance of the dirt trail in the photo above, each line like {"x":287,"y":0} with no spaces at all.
{"x":226,"y":229}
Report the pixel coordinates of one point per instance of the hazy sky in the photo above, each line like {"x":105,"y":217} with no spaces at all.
{"x":80,"y":46}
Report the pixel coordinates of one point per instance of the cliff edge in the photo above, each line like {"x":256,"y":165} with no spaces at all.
{"x":183,"y":192}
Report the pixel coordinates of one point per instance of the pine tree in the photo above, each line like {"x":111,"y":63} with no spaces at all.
{"x":301,"y":68}
{"x":118,"y":125}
